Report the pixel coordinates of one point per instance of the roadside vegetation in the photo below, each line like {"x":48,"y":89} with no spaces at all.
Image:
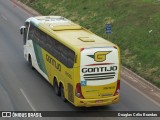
{"x":135,"y":27}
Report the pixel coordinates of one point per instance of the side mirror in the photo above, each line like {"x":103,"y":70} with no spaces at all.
{"x":22,"y":29}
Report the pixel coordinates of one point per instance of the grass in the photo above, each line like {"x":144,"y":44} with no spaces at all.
{"x":136,"y":27}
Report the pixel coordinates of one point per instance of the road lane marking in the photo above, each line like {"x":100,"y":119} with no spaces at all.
{"x":156,"y":103}
{"x":29,"y":102}
{"x":4,"y":17}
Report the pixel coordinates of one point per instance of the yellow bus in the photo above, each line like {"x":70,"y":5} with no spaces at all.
{"x":82,"y":67}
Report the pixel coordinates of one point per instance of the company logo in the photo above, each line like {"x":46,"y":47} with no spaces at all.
{"x":99,"y":56}
{"x":53,"y":62}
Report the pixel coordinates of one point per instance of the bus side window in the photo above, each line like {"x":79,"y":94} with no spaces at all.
{"x":71,"y":57}
{"x":52,"y":46}
{"x":42,"y":38}
{"x":57,"y":50}
{"x":48,"y":44}
{"x":64,"y":55}
{"x":32,"y":32}
{"x":37,"y":36}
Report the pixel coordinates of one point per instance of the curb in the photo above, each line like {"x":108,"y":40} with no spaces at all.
{"x":125,"y":72}
{"x":25,"y":7}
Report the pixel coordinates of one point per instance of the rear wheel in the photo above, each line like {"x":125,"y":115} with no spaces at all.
{"x":56,"y":88}
{"x":62,"y":93}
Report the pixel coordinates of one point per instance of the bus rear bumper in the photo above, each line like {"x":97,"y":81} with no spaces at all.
{"x":97,"y":102}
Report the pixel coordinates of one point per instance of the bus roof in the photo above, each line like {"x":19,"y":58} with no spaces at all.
{"x":70,"y":32}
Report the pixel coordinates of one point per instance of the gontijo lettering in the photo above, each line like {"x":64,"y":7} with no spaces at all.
{"x":53,"y":62}
{"x":99,"y":69}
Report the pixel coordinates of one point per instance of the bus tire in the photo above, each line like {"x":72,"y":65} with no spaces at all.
{"x":56,"y":88}
{"x":62,"y":93}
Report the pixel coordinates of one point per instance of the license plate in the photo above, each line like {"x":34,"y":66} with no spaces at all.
{"x":99,"y":101}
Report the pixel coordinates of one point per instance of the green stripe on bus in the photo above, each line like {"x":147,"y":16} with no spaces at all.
{"x":39,"y":57}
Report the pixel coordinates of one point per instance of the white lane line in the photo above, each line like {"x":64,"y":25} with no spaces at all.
{"x":29,"y":102}
{"x":156,"y":103}
{"x":4,"y":17}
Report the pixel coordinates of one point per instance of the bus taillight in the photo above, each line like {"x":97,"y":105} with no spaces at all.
{"x":81,"y":49}
{"x":78,"y":91}
{"x":117,"y":88}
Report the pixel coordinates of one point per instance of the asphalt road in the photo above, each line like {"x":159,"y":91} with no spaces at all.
{"x":24,"y":89}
